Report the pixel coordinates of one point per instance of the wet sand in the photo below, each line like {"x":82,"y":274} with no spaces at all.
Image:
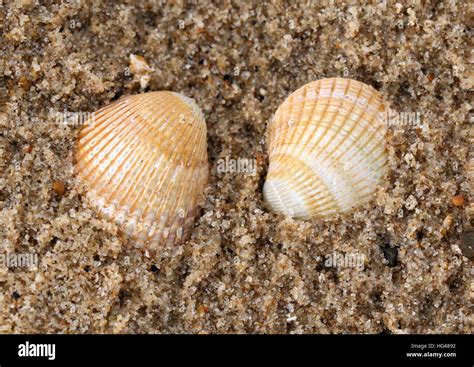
{"x":244,"y":269}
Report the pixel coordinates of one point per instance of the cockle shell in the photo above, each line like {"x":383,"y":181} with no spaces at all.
{"x":326,"y":149}
{"x":144,"y":161}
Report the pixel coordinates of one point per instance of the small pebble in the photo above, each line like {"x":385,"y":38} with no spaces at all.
{"x":458,"y":200}
{"x":24,"y":83}
{"x":59,"y":187}
{"x":138,"y":64}
{"x":140,"y":69}
{"x":202,"y":309}
{"x":447,"y":224}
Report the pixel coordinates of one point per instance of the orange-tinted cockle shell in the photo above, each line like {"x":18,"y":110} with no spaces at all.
{"x":144,"y":161}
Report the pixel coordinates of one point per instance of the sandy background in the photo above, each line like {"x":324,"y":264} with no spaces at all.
{"x":244,"y":269}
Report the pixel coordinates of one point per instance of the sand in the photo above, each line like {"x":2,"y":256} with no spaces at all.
{"x":244,"y":269}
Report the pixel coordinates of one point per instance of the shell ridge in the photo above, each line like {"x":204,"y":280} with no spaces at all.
{"x":130,"y":131}
{"x":116,"y":126}
{"x":141,"y":137}
{"x":295,"y":127}
{"x":170,"y":163}
{"x":322,"y":115}
{"x":286,"y":132}
{"x":367,"y":154}
{"x":177,"y":220}
{"x":353,"y":139}
{"x":98,"y":116}
{"x":155,"y":190}
{"x":102,"y":122}
{"x":336,"y":114}
{"x":192,"y":131}
{"x":149,"y":166}
{"x":98,"y":169}
{"x":313,"y":109}
{"x":305,"y":169}
{"x":276,"y":195}
{"x":363,"y":170}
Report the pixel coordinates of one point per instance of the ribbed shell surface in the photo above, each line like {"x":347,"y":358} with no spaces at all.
{"x":144,"y":161}
{"x":326,"y":149}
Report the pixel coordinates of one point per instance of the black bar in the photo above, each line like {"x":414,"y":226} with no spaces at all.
{"x":155,"y":350}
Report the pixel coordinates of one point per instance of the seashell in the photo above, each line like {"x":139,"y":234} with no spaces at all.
{"x":326,"y":149}
{"x":144,"y":162}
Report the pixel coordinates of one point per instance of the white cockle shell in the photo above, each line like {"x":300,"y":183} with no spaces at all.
{"x":326,"y":149}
